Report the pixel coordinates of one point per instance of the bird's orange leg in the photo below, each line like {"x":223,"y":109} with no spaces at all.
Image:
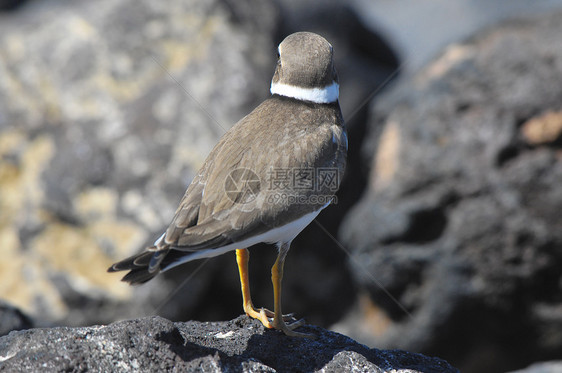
{"x":263,"y":314}
{"x":242,"y":258}
{"x":276,"y":279}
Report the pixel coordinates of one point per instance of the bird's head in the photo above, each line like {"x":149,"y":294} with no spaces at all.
{"x":305,"y":69}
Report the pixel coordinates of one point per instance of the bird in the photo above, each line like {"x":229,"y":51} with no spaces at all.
{"x":266,"y":179}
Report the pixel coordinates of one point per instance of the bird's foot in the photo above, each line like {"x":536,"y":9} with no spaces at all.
{"x":289,"y":329}
{"x":271,"y":315}
{"x":287,"y":323}
{"x":266,"y":316}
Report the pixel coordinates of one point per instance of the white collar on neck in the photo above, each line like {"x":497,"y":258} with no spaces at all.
{"x":324,"y":95}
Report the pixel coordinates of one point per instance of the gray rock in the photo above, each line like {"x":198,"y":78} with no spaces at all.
{"x":158,"y":345}
{"x":460,"y":232}
{"x":420,"y":30}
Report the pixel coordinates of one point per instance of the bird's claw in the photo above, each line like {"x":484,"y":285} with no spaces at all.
{"x":289,"y":329}
{"x":271,"y":315}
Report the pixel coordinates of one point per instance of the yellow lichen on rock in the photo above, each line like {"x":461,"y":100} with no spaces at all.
{"x":453,"y":56}
{"x":12,"y":267}
{"x":21,"y":190}
{"x":83,"y":254}
{"x":96,"y":202}
{"x":543,"y":129}
{"x":21,"y":194}
{"x":24,"y":281}
{"x":387,"y":157}
{"x":10,"y":196}
{"x":10,"y":141}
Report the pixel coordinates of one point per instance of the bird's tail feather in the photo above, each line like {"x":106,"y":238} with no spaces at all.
{"x":142,"y":267}
{"x":146,"y":265}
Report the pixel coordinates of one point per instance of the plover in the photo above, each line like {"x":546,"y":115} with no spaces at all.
{"x":267,"y":178}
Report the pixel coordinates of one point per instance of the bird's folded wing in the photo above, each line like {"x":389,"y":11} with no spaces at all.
{"x":212,"y":215}
{"x":188,"y":211}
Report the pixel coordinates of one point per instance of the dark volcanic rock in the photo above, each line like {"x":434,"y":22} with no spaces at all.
{"x":7,"y":5}
{"x":461,"y":223}
{"x":12,"y":318}
{"x":158,"y":345}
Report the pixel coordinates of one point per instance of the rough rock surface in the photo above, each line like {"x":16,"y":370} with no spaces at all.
{"x":461,"y":223}
{"x":156,"y":344}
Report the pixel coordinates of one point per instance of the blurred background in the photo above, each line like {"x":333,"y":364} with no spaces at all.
{"x":447,"y":235}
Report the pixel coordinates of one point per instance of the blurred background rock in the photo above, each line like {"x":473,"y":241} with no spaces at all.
{"x":448,"y":221}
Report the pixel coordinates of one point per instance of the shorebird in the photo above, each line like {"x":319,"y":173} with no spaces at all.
{"x":267,"y":178}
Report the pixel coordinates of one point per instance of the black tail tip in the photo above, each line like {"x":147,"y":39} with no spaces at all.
{"x":142,"y":267}
{"x":112,"y":269}
{"x":139,"y":276}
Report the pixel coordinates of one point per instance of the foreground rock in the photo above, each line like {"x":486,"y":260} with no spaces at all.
{"x":462,"y":222}
{"x":156,"y":344}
